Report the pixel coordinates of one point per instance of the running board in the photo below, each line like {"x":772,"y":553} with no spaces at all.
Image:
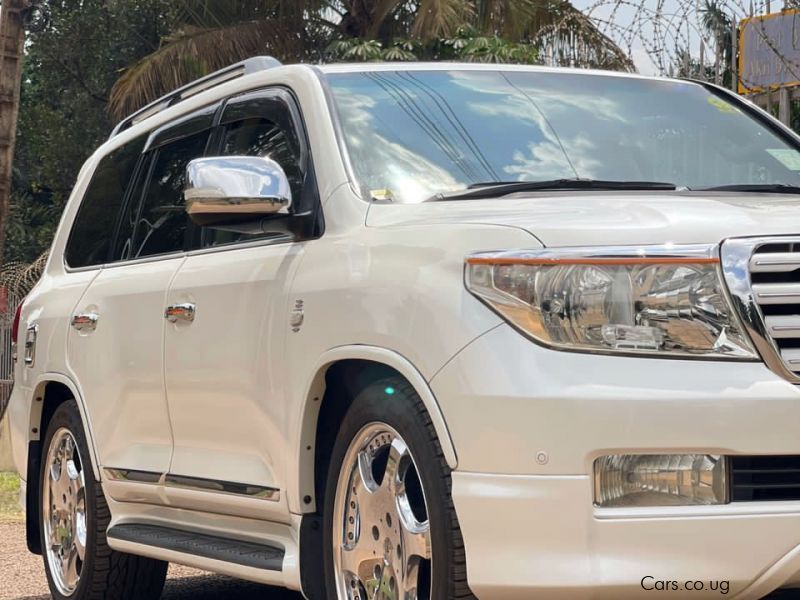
{"x":236,"y":552}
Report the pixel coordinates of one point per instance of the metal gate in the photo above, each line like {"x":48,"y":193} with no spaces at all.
{"x":6,"y":362}
{"x":16,"y":281}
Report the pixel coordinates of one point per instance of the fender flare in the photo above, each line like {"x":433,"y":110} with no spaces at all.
{"x":36,"y":413}
{"x":306,"y":425}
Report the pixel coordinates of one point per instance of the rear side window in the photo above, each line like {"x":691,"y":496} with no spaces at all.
{"x":162,"y":222}
{"x":93,"y":230}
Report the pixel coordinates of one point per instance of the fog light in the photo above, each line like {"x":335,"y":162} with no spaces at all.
{"x":659,"y":480}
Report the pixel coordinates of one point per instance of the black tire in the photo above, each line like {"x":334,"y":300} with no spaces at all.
{"x":405,"y":412}
{"x":105,"y":574}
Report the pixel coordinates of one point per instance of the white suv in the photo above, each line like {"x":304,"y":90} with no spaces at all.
{"x":422,"y":332}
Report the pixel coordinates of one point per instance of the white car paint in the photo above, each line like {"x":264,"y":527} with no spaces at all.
{"x":385,"y":283}
{"x":604,"y":218}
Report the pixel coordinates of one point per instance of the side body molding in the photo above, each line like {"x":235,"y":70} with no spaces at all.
{"x":305,"y":420}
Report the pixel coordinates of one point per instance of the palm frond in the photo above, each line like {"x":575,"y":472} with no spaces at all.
{"x":221,"y":13}
{"x":193,"y":52}
{"x":572,"y":39}
{"x":380,"y":11}
{"x":507,"y":18}
{"x":441,"y":18}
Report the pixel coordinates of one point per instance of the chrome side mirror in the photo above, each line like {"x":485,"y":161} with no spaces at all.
{"x":235,"y":189}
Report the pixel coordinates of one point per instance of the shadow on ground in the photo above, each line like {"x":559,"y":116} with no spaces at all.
{"x":206,"y":587}
{"x":213,"y":587}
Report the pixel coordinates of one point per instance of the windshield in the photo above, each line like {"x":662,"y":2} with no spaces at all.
{"x":412,"y":134}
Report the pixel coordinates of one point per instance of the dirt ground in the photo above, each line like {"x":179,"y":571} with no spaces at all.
{"x":22,"y":576}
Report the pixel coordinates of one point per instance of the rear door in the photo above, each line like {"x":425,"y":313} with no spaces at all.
{"x":225,"y":370}
{"x":116,"y":343}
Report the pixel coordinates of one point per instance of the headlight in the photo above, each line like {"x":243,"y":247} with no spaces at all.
{"x":665,"y":300}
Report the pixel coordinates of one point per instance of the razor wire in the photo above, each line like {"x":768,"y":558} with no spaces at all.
{"x":672,"y":31}
{"x":16,"y":281}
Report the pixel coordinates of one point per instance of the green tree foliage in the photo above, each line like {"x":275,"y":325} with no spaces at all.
{"x":215,"y":34}
{"x":70,"y":68}
{"x":98,"y":60}
{"x":467,"y":45}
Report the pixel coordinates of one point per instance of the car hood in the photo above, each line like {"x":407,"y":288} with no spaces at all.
{"x":591,"y":218}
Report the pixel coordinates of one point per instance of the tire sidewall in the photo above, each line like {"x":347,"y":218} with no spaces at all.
{"x":400,"y":411}
{"x":67,"y":416}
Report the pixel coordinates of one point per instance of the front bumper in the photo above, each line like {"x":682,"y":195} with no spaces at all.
{"x":538,"y":537}
{"x":528,"y":423}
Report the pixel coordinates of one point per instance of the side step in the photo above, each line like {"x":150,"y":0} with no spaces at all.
{"x":246,"y":554}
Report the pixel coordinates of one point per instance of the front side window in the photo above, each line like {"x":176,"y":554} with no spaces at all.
{"x":264,"y":137}
{"x":162,"y":221}
{"x":260,"y":126}
{"x":413,"y":134}
{"x":93,"y":230}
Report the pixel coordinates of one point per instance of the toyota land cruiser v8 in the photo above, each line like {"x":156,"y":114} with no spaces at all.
{"x":421,"y":331}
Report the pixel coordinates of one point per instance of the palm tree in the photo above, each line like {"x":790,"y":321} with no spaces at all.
{"x":213,"y":34}
{"x":719,"y":25}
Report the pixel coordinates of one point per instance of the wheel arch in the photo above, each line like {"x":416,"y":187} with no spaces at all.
{"x":310,"y":473}
{"x":49,"y":392}
{"x":383,"y":361}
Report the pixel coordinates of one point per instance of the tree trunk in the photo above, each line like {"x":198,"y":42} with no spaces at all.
{"x":12,"y":40}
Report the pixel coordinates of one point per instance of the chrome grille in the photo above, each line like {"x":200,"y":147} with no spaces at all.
{"x":763,"y":275}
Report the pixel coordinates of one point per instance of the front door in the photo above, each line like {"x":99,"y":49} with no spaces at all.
{"x":224,"y":364}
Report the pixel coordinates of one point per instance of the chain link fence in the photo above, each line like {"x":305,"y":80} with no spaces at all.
{"x":16,"y":281}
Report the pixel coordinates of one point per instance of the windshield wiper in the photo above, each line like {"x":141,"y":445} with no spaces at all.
{"x":761,"y":188}
{"x":497,"y":189}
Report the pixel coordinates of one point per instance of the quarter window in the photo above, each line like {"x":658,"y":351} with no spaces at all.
{"x":93,"y":230}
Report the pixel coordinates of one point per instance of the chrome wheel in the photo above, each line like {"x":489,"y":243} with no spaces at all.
{"x":64,"y":511}
{"x":382,"y":536}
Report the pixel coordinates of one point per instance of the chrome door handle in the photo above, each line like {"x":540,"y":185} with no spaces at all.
{"x":85,"y":321}
{"x":180,"y":312}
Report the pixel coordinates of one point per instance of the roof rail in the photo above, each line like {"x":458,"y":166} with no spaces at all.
{"x":251,"y":65}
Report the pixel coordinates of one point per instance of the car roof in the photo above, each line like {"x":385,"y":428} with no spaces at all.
{"x":332,"y":68}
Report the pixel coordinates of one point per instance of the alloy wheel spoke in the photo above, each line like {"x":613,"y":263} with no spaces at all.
{"x":69,"y":448}
{"x":395,"y":466}
{"x":55,"y":470}
{"x":79,"y":524}
{"x":362,"y":484}
{"x":53,"y":537}
{"x":416,"y":542}
{"x":358,"y":560}
{"x":410,"y":582}
{"x":71,"y":569}
{"x":358,"y":545}
{"x":72,"y":470}
{"x":53,"y":496}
